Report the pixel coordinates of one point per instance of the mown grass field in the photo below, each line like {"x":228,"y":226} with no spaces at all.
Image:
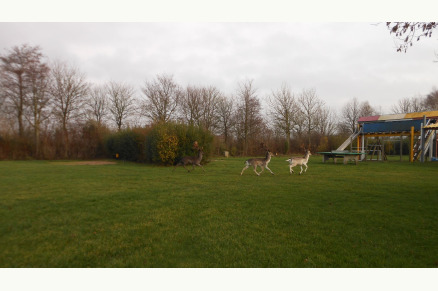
{"x":375,"y":214}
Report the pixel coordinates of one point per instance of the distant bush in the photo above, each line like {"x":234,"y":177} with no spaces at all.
{"x":15,"y":148}
{"x":169,"y":142}
{"x":233,"y":151}
{"x":126,"y":145}
{"x":92,"y":138}
{"x":161,"y":144}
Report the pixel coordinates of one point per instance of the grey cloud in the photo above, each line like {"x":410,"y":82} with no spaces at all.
{"x":339,"y":60}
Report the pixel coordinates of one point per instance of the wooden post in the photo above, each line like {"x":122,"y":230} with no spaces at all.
{"x":401,"y":147}
{"x":366,"y":148}
{"x":422,"y":139}
{"x":358,"y":142}
{"x":411,"y":152}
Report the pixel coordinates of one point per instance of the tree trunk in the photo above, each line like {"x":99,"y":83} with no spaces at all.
{"x":36,"y":130}
{"x":65,"y":133}
{"x":20,"y":108}
{"x":287,"y":143}
{"x":37,"y":142}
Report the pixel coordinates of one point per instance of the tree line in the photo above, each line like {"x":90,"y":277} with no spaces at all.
{"x":49,"y":110}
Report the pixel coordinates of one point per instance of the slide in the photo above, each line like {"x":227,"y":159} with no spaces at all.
{"x":348,"y":141}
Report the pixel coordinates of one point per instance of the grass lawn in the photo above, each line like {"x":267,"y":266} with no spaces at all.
{"x":374,"y":214}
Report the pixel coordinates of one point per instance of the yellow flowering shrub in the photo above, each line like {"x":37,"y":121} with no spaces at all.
{"x":167,"y":148}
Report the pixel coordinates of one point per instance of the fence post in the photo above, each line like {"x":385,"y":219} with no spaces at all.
{"x":411,"y":152}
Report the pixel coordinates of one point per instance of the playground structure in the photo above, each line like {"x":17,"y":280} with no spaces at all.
{"x":420,"y":127}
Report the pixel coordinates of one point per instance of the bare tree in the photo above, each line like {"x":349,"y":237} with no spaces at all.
{"x":299,"y":128}
{"x":406,"y":105}
{"x":163,"y":96}
{"x":97,"y":104}
{"x":418,"y":103}
{"x":69,"y":89}
{"x":248,"y":115}
{"x":2,"y":96}
{"x":225,"y":118}
{"x":283,"y":109}
{"x":191,"y":105}
{"x":39,"y":100}
{"x":310,"y":106}
{"x":14,"y":68}
{"x":7,"y":121}
{"x":121,"y":102}
{"x":210,"y":99}
{"x":366,"y":109}
{"x":403,"y":106}
{"x":352,"y":111}
{"x":199,"y":105}
{"x":326,"y":122}
{"x":431,"y":101}
{"x":408,"y":32}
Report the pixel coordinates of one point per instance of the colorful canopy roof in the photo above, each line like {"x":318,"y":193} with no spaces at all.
{"x":389,"y":117}
{"x":391,"y":127}
{"x":432,"y":126}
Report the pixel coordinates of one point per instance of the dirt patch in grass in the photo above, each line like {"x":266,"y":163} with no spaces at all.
{"x":81,"y":163}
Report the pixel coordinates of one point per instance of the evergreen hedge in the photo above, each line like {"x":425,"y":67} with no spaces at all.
{"x":125,"y":145}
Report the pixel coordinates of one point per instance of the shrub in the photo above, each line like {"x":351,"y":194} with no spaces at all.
{"x":169,"y":142}
{"x":92,"y":140}
{"x":15,"y":148}
{"x":126,"y":143}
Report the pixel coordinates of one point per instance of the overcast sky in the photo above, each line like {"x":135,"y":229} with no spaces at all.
{"x":340,"y":60}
